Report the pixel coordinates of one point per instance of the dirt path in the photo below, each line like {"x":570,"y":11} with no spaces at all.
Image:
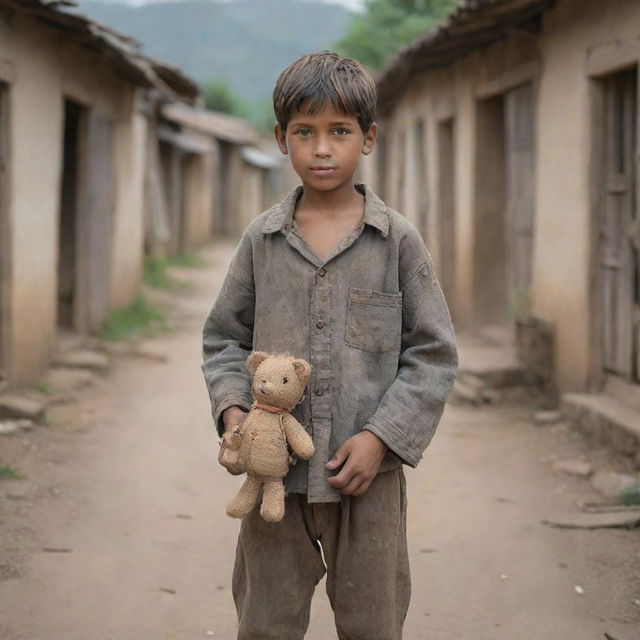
{"x":118,"y":532}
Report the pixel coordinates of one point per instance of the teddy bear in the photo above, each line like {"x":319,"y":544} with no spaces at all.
{"x":269,"y":430}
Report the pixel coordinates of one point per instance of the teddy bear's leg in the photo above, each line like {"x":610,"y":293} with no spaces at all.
{"x":246,"y":498}
{"x":272,"y":508}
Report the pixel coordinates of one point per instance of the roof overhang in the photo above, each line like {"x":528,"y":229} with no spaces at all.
{"x":187,"y":142}
{"x":218,"y":125}
{"x":474,"y":24}
{"x":181,"y":84}
{"x":118,"y":50}
{"x":259,"y":158}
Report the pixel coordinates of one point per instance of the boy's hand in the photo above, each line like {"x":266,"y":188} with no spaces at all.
{"x":361,"y":455}
{"x":228,"y":458}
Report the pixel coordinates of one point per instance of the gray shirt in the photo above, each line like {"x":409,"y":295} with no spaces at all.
{"x":370,"y":318}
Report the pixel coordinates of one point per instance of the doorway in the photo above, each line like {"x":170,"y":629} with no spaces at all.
{"x":619,"y":229}
{"x":4,"y":231}
{"x":420,"y":179}
{"x":70,"y":199}
{"x":520,"y":193}
{"x":172,"y":172}
{"x":86,"y":219}
{"x":504,"y":192}
{"x":446,"y":207}
{"x":96,"y":242}
{"x":490,"y":252}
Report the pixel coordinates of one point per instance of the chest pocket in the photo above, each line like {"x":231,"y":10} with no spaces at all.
{"x":374,"y":320}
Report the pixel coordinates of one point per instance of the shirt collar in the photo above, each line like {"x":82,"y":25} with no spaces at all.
{"x":375,"y":212}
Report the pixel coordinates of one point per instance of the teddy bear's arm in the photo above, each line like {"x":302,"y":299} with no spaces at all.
{"x":299,"y":440}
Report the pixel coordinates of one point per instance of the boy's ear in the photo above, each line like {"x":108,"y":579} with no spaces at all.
{"x":370,"y":139}
{"x":281,"y":138}
{"x":255,"y":360}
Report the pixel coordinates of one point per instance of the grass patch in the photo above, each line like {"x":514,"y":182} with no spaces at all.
{"x":139,"y":318}
{"x":156,"y":271}
{"x":156,"y":274}
{"x":189,"y":260}
{"x":631,"y":496}
{"x":43,"y":387}
{"x":9,"y":472}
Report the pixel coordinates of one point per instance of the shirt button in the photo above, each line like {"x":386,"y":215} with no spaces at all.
{"x":322,"y":272}
{"x":319,"y":392}
{"x":320,"y":324}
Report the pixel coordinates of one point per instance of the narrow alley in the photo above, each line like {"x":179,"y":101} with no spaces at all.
{"x":116,"y":529}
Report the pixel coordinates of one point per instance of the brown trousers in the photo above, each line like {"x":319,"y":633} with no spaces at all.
{"x":364,"y":547}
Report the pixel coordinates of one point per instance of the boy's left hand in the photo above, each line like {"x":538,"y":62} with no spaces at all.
{"x":360,"y":456}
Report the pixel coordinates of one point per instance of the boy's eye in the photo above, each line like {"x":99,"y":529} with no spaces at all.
{"x":285,"y":380}
{"x":341,"y":131}
{"x":303,"y":133}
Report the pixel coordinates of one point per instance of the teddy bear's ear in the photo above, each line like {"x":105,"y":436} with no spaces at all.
{"x":255,"y":360}
{"x":303,"y":369}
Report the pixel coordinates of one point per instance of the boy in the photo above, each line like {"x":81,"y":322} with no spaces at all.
{"x":332,"y":275}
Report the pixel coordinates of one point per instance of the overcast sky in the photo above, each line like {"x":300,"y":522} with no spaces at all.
{"x":349,"y":4}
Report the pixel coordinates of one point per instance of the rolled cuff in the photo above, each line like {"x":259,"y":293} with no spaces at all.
{"x":241,"y":400}
{"x":396,"y":440}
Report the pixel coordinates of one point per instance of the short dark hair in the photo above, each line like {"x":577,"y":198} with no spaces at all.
{"x":322,"y":77}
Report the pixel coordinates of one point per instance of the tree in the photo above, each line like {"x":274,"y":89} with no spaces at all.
{"x":218,"y":96}
{"x":386,"y":25}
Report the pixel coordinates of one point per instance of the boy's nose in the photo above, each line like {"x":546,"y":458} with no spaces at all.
{"x":322,"y":149}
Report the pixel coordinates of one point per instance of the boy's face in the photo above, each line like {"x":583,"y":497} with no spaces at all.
{"x":325,"y":147}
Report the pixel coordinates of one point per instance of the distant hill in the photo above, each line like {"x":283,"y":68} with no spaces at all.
{"x":247,"y":42}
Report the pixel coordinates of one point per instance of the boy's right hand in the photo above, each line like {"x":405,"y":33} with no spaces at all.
{"x":229,"y":459}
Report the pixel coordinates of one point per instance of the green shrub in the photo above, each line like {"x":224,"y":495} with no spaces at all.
{"x":9,"y":472}
{"x":139,"y":318}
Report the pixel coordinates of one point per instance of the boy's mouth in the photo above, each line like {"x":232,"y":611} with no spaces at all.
{"x":323,"y":171}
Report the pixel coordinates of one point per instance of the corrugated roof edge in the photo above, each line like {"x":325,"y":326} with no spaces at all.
{"x":471,"y":25}
{"x":121,"y":50}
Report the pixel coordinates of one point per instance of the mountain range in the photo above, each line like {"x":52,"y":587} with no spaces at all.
{"x":245,"y":43}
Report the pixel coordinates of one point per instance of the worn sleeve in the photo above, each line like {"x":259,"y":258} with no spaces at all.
{"x":410,"y":409}
{"x":228,"y":337}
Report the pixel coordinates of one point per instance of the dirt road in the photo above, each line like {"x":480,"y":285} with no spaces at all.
{"x":117,"y":530}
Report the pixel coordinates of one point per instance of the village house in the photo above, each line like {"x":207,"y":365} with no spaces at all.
{"x":243,"y":178}
{"x":104,"y":153}
{"x":73,"y":162}
{"x":79,"y":108}
{"x":509,"y":137}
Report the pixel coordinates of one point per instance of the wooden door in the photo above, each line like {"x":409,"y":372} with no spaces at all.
{"x":633,"y":233}
{"x":4,"y":240}
{"x":520,"y":189}
{"x":446,"y":209}
{"x":97,"y":221}
{"x":400,"y":182}
{"x":618,"y":258}
{"x":490,"y":251}
{"x":421,"y":179}
{"x":72,"y":191}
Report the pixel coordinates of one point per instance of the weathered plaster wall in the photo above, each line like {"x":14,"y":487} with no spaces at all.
{"x":129,"y":225}
{"x":573,"y":33}
{"x":45,"y":68}
{"x":562,"y":267}
{"x":198,"y":190}
{"x":35,"y":132}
